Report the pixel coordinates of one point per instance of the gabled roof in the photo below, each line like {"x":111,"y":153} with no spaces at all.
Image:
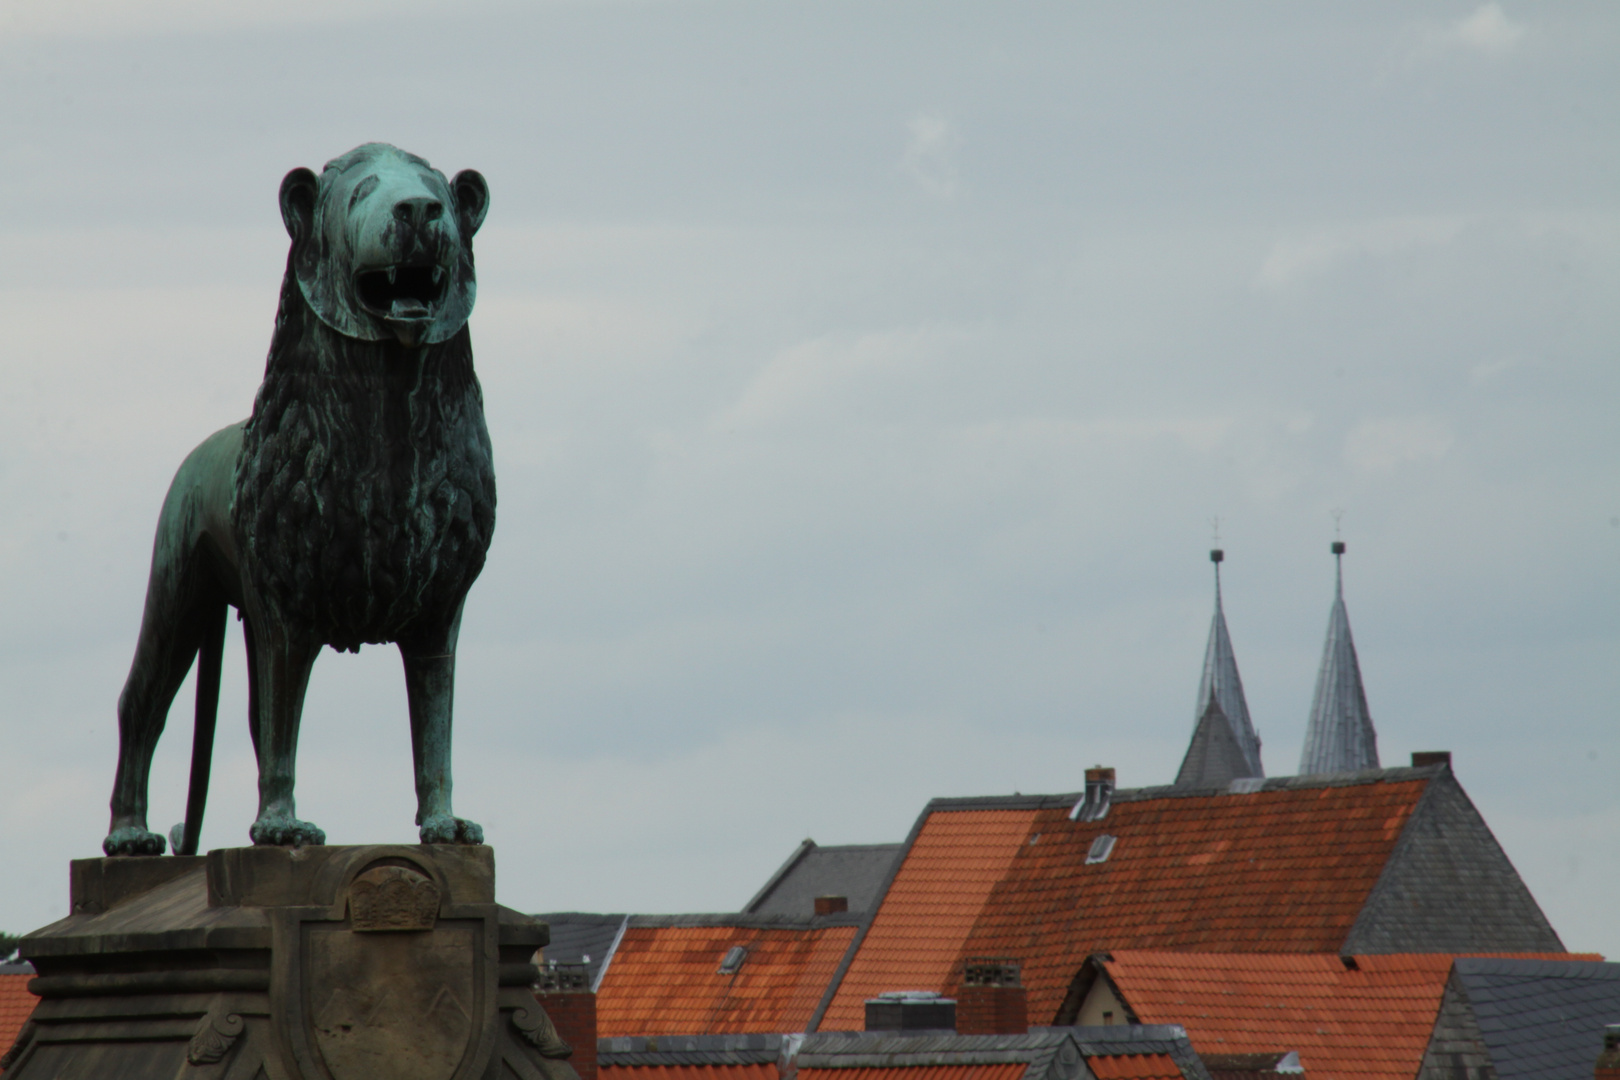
{"x":665,"y":977}
{"x":1340,"y":735}
{"x":1396,"y":858}
{"x":1218,"y":756}
{"x":854,"y":871}
{"x":1364,"y":1016}
{"x":580,"y":937}
{"x":1527,"y":1019}
{"x":16,"y":1003}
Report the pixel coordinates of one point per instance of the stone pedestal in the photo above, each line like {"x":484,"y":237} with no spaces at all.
{"x":316,"y":963}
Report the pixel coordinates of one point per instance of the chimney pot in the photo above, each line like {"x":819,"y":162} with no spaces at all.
{"x":1420,"y":758}
{"x":831,"y":905}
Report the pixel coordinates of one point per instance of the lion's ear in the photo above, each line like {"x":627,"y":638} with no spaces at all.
{"x":472,"y":199}
{"x":298,"y":190}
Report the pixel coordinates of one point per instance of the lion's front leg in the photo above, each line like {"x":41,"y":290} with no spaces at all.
{"x":430,"y":684}
{"x":281,"y":664}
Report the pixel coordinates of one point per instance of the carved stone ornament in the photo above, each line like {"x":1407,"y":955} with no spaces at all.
{"x":393,"y":898}
{"x":537,"y":1029}
{"x":214,"y":1039}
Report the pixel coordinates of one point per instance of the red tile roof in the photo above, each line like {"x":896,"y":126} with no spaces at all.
{"x":665,"y":980}
{"x":1135,"y":1067}
{"x":1372,"y":1021}
{"x":921,"y":1072}
{"x":687,"y":1072}
{"x":937,"y":895}
{"x":16,"y":1005}
{"x":1275,"y":871}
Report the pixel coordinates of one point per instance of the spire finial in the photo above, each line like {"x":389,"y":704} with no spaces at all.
{"x":1338,"y":554}
{"x":1216,"y":555}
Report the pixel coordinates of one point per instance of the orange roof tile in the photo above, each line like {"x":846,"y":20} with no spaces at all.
{"x":921,"y":1072}
{"x":1370,"y":1022}
{"x":1284,"y":870}
{"x":665,"y":980}
{"x":1135,"y":1067}
{"x":953,"y":864}
{"x":16,"y":1005}
{"x":687,"y":1072}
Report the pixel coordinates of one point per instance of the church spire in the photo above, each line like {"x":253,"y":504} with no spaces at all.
{"x":1224,"y":745}
{"x":1340,"y":737}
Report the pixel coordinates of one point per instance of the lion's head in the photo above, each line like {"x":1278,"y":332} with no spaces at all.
{"x":382,"y":244}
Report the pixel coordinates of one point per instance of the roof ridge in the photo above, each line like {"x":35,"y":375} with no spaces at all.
{"x":744,"y":921}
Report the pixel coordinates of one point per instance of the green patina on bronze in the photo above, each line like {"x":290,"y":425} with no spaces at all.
{"x":354,"y":506}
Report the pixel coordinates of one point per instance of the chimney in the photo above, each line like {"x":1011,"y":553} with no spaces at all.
{"x":1420,"y":758}
{"x":564,"y":991}
{"x":910,"y":1010}
{"x":831,"y":905}
{"x":1099,"y":789}
{"x":992,"y":1000}
{"x":1608,"y":1062}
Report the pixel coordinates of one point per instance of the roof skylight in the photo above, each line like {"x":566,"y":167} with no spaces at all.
{"x":733,"y":961}
{"x":1101,"y":848}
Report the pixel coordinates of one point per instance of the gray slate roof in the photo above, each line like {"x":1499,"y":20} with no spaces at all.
{"x":856,"y":871}
{"x":580,"y":937}
{"x":1052,"y":1053}
{"x":1340,"y":735}
{"x":1533,"y":1019}
{"x":1211,"y":758}
{"x":641,"y":1050}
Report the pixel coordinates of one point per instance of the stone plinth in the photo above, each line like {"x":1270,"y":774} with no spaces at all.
{"x":315,"y":963}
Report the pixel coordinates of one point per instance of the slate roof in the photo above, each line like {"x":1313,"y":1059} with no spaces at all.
{"x":1533,"y":1019}
{"x":579,"y":937}
{"x":691,"y":1057}
{"x":16,"y":1003}
{"x":1382,"y":861}
{"x":1218,"y":755}
{"x":855,"y":871}
{"x":1339,"y":736}
{"x":1147,"y":1052}
{"x":664,"y":976}
{"x":1366,"y":1017}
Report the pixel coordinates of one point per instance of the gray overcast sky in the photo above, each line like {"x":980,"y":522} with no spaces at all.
{"x":863,"y":379}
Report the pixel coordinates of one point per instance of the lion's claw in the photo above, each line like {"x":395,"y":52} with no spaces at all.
{"x":445,"y":829}
{"x":285,"y":831}
{"x":133,"y":840}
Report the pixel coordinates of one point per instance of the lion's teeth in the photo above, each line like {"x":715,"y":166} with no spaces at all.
{"x":392,"y":271}
{"x":438,"y":274}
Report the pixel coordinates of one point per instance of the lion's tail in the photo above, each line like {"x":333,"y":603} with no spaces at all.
{"x":210,"y":658}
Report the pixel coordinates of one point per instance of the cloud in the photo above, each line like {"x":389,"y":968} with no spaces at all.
{"x":1381,"y":444}
{"x":1295,"y":258}
{"x":1486,"y":32}
{"x":929,"y":159}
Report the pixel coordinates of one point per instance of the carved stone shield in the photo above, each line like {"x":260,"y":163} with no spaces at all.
{"x":392,"y":980}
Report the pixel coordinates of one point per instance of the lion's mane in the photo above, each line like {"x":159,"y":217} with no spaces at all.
{"x":365,"y":488}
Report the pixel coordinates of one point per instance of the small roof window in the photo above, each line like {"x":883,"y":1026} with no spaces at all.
{"x":1101,"y":848}
{"x":733,"y":961}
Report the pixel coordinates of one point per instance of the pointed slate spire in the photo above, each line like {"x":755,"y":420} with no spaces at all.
{"x":1224,"y":745}
{"x":1340,"y":737}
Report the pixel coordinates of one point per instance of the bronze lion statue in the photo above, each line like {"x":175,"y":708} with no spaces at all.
{"x":354,"y":506}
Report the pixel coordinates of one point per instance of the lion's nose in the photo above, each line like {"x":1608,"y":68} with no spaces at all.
{"x":417,"y":212}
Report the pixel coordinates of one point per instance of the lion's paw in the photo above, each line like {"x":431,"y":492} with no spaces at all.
{"x":444,"y":829}
{"x":132,"y":840}
{"x":284,"y":831}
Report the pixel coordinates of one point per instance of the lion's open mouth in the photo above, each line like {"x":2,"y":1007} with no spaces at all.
{"x":401,"y":292}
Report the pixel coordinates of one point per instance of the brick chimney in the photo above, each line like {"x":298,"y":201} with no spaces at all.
{"x":564,"y":991}
{"x":1420,"y":758}
{"x":831,"y":905}
{"x":1608,"y":1062}
{"x":992,"y":1000}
